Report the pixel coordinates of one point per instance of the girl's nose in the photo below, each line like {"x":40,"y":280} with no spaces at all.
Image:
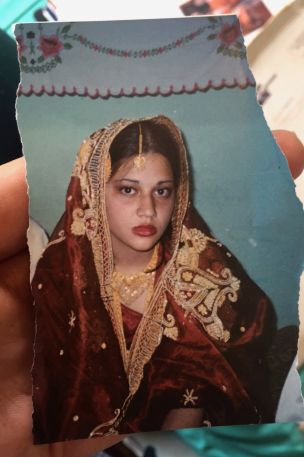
{"x":146,"y":206}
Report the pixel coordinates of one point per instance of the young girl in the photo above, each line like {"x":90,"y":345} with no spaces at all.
{"x":144,"y":320}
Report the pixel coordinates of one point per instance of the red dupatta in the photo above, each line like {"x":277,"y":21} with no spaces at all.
{"x":202,"y":342}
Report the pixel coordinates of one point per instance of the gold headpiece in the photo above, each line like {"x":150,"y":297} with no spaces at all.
{"x":139,"y":161}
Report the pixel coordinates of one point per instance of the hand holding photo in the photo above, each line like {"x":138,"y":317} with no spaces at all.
{"x":145,"y":319}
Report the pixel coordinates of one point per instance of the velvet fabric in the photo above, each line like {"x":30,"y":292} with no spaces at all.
{"x":86,"y":380}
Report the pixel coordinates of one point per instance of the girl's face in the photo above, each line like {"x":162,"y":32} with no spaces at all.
{"x":139,"y":203}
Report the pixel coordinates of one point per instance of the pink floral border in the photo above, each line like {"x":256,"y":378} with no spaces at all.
{"x":93,"y":94}
{"x":40,"y":52}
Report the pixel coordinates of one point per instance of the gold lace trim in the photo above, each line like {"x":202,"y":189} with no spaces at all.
{"x":170,"y":329}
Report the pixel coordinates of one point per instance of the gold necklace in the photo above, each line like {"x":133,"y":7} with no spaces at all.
{"x":131,"y":287}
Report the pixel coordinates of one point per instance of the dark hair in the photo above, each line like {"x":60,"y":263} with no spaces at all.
{"x":155,"y":138}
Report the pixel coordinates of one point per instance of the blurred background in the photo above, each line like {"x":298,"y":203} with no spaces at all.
{"x":256,"y":18}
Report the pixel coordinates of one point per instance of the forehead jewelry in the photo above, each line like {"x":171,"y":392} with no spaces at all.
{"x":139,"y":161}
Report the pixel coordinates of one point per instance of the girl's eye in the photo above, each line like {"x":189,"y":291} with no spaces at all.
{"x":164,"y":192}
{"x":127,"y":190}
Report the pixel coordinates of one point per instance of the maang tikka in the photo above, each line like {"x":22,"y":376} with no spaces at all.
{"x":139,"y":160}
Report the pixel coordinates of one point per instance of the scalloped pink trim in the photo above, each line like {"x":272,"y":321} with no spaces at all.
{"x":122,"y":93}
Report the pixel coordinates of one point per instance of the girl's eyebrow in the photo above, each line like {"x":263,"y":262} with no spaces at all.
{"x":136,"y":181}
{"x":165,"y":181}
{"x":127,"y":179}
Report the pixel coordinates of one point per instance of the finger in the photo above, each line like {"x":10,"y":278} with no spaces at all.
{"x":13,"y":208}
{"x":83,"y":448}
{"x":16,"y":342}
{"x":293,"y":150}
{"x":16,"y":354}
{"x":79,"y":448}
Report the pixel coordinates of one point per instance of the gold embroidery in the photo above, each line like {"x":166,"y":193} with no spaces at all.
{"x":171,"y":333}
{"x":198,"y":239}
{"x":201,"y":293}
{"x":72,"y":319}
{"x":78,"y":227}
{"x":84,"y":223}
{"x":170,"y":330}
{"x":90,"y":223}
{"x":82,"y":157}
{"x":187,"y":276}
{"x":189,"y":397}
{"x":61,"y":237}
{"x":97,"y":430}
{"x":195,"y":242}
{"x":112,"y":423}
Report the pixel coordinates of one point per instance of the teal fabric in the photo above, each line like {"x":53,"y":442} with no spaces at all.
{"x":9,"y":72}
{"x":279,"y":440}
{"x":12,"y":11}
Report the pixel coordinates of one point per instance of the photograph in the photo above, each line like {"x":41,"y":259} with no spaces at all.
{"x":165,"y":288}
{"x":252,"y":14}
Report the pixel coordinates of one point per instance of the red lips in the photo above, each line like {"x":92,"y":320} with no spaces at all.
{"x":144,"y":230}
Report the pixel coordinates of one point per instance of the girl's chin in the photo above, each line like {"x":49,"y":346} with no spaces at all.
{"x":143,"y":245}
